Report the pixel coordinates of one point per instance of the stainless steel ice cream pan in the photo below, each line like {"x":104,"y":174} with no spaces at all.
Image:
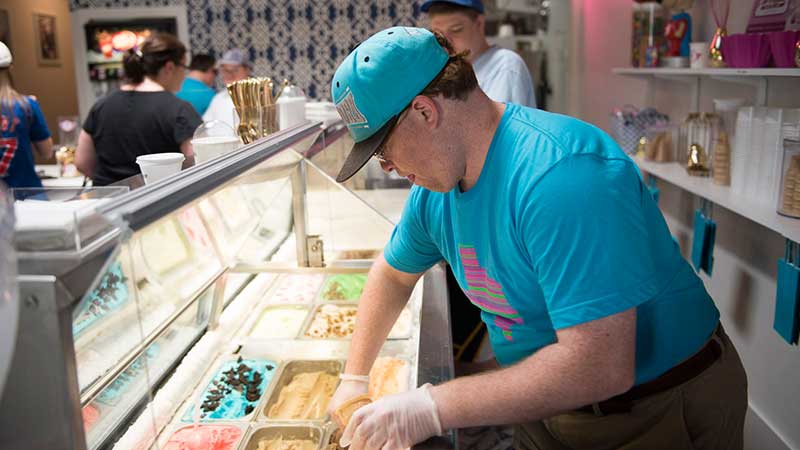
{"x":270,"y":432}
{"x":287,"y":373}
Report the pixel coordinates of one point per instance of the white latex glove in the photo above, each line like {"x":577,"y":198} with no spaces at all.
{"x":347,"y":389}
{"x":394,"y":422}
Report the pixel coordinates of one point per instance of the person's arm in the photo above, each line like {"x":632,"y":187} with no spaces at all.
{"x":85,"y":155}
{"x":385,"y":294}
{"x":44,"y":148}
{"x":188,"y":152}
{"x":590,"y":362}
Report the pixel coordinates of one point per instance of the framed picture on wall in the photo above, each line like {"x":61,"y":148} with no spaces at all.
{"x":44,"y":30}
{"x":5,"y":28}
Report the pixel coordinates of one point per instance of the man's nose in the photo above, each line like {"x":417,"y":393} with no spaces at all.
{"x":387,"y":166}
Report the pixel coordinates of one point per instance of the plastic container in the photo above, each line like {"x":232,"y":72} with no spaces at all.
{"x":291,"y":107}
{"x":213,"y":139}
{"x":782,"y":46}
{"x":158,"y":166}
{"x":746,"y":50}
{"x":727,"y":109}
{"x":789,"y":195}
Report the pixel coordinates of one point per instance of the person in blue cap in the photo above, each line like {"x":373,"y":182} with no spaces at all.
{"x":604,"y":335}
{"x":501,"y":73}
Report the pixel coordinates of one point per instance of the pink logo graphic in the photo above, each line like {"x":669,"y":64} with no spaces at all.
{"x":486,"y":293}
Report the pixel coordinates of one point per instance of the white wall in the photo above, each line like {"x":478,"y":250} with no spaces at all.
{"x":746,"y":254}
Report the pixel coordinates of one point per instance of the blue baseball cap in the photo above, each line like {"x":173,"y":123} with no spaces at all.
{"x":477,"y":5}
{"x":377,"y":81}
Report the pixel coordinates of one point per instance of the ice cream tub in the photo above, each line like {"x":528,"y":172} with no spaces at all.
{"x":216,"y":436}
{"x":280,"y":322}
{"x":336,"y":321}
{"x":296,"y":288}
{"x":299,"y":437}
{"x":302,"y":391}
{"x":343,"y":287}
{"x":233,"y":393}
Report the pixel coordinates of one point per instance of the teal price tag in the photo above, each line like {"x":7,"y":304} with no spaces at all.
{"x":705,"y":231}
{"x":787,"y":304}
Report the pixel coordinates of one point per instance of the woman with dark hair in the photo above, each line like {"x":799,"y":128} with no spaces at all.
{"x":142,"y":117}
{"x":22,"y":126}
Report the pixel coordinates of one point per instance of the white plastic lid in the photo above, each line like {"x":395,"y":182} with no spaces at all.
{"x":160,"y":158}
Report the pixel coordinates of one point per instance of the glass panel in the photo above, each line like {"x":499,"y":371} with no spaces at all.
{"x":60,"y":219}
{"x":114,"y":405}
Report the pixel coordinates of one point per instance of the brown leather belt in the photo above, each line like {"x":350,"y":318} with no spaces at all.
{"x":676,"y":376}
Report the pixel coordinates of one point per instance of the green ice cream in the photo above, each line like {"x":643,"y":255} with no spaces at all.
{"x":344,"y":287}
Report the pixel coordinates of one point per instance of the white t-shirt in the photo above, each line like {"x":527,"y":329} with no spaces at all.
{"x":504,"y":77}
{"x":221,"y":108}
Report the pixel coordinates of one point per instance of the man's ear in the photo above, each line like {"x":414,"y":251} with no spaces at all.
{"x":427,"y":108}
{"x":480,"y":22}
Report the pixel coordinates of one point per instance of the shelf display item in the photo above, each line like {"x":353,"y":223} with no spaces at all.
{"x":235,"y":390}
{"x":205,"y":437}
{"x":678,"y":30}
{"x":660,"y":146}
{"x":720,"y":9}
{"x":783,"y":46}
{"x":304,"y":391}
{"x":745,"y":51}
{"x":630,"y":124}
{"x":698,"y":138}
{"x":344,"y":287}
{"x":699,"y":55}
{"x":722,"y":161}
{"x":280,"y":322}
{"x":789,"y":202}
{"x":648,"y":34}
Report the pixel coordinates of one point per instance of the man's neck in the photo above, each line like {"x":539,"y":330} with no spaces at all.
{"x":479,"y":51}
{"x":480,"y":118}
{"x":196,"y":75}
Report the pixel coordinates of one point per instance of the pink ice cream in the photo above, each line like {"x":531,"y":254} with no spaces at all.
{"x":204,"y":437}
{"x":297,"y":288}
{"x":90,"y":417}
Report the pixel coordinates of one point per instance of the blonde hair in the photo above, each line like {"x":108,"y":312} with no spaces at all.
{"x":9,"y":96}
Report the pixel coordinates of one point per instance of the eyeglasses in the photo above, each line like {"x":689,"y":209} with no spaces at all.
{"x":380,"y":152}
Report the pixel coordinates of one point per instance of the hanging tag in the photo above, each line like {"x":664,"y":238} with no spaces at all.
{"x":787,"y":306}
{"x":653,"y":188}
{"x":705,"y":231}
{"x":708,"y":246}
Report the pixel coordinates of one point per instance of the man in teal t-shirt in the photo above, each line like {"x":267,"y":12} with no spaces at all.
{"x":198,"y":86}
{"x":604,"y":335}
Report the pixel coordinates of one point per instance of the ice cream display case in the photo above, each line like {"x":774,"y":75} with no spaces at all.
{"x":214,"y":311}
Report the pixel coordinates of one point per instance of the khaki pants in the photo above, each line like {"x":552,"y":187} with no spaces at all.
{"x":705,"y":413}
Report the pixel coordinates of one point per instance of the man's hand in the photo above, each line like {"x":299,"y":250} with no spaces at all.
{"x":394,"y":422}
{"x":347,"y":389}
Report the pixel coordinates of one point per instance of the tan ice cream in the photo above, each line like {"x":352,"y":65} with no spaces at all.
{"x":339,"y":322}
{"x":306,"y":397}
{"x":287,"y":444}
{"x":388,"y":376}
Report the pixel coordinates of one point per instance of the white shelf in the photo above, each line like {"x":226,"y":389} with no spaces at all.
{"x":759,"y":212}
{"x":761,"y":72}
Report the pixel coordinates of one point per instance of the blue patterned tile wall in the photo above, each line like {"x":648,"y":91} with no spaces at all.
{"x":302,"y":40}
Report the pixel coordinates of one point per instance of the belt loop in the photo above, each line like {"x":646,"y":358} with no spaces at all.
{"x":597,"y":411}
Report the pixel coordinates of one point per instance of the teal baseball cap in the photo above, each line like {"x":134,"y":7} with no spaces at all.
{"x":377,"y":81}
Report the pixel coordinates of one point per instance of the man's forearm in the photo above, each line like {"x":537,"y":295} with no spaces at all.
{"x":385,"y":294}
{"x":556,"y":379}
